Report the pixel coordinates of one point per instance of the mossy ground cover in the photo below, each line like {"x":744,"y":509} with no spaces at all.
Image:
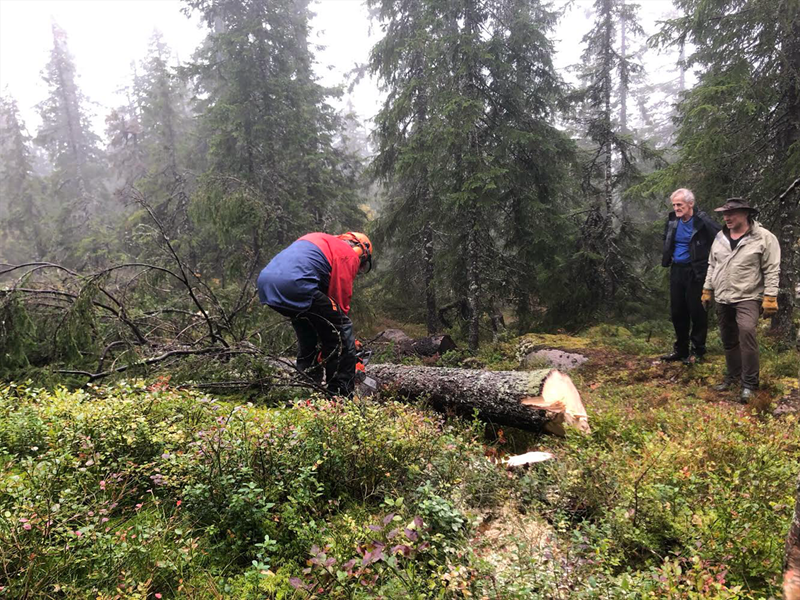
{"x":140,"y":490}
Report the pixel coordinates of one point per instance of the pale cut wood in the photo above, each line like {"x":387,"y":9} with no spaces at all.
{"x":544,"y":399}
{"x":529,"y":458}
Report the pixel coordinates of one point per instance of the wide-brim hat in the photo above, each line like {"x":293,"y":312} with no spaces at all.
{"x":736,"y":204}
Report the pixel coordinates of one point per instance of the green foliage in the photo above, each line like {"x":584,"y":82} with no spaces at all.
{"x":666,"y":473}
{"x":77,"y":201}
{"x":20,"y":190}
{"x":466,"y":141}
{"x":674,"y":494}
{"x":158,"y":491}
{"x":272,"y":171}
{"x":75,"y":335}
{"x":16,"y":335}
{"x":748,"y":62}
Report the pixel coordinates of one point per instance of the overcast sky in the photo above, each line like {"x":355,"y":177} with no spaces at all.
{"x":105,"y":36}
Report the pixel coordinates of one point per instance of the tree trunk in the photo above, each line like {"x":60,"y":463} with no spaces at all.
{"x":473,"y":285}
{"x":430,"y":292}
{"x":782,"y":322}
{"x":623,"y":83}
{"x":541,"y":400}
{"x":498,"y":322}
{"x":791,"y":563}
{"x":404,"y":345}
{"x":608,"y":65}
{"x":788,"y":201}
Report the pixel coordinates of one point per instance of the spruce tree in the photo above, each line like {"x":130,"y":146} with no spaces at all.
{"x":466,"y":139}
{"x":406,"y":141}
{"x":76,"y":195}
{"x":162,"y":132}
{"x":21,"y":218}
{"x":125,"y":151}
{"x":603,"y":262}
{"x":273,"y":172}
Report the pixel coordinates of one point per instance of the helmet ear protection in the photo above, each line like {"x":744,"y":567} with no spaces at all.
{"x":362,"y":247}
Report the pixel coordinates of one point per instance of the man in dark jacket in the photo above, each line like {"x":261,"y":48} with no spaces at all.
{"x":311,"y":282}
{"x":688,"y":235}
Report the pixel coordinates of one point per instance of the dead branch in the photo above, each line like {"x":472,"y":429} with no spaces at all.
{"x":139,"y":199}
{"x":220,"y":351}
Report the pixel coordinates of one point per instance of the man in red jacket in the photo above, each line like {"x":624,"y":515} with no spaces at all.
{"x":311,"y":282}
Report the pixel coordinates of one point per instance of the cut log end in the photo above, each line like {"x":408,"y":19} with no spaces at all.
{"x":560,"y":396}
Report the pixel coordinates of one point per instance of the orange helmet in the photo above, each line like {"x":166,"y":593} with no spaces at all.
{"x":361,"y":245}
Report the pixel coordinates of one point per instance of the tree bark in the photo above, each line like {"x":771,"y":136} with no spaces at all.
{"x":498,"y":322}
{"x":623,"y":84}
{"x":782,"y":324}
{"x":407,"y":346}
{"x":791,"y":563}
{"x":541,"y":400}
{"x":473,"y":285}
{"x":430,"y":292}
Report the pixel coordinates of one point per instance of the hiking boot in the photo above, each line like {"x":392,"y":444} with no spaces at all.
{"x":726,"y":385}
{"x":674,"y":357}
{"x":746,"y":395}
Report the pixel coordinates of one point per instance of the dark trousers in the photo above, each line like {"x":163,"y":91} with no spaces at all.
{"x":737,"y":329}
{"x":324,"y":328}
{"x":689,"y":318}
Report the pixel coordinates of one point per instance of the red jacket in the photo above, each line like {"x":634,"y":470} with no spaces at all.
{"x":316,"y":261}
{"x":344,"y":267}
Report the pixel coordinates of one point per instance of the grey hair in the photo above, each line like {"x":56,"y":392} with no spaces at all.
{"x":688,"y":196}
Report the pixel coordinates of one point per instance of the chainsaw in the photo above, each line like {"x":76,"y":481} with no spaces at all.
{"x":362,"y":360}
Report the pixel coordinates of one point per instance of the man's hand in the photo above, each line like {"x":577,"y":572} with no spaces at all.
{"x":769,"y":306}
{"x":706,"y":298}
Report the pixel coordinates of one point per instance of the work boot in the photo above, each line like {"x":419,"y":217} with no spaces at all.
{"x":727,"y":384}
{"x":674,"y":357}
{"x":746,"y":395}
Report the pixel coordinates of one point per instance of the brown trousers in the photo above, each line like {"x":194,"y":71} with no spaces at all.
{"x":737,"y":329}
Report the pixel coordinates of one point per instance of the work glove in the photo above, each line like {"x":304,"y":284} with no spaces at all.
{"x":706,"y":298}
{"x":769,"y":306}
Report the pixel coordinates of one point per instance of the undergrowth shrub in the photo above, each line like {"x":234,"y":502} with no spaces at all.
{"x":150,"y":490}
{"x":684,"y":479}
{"x":131,"y":490}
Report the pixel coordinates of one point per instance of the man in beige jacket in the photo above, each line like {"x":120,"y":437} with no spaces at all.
{"x":743,"y":270}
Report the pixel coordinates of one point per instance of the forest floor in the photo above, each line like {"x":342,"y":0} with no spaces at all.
{"x":139,"y":489}
{"x":666,"y":444}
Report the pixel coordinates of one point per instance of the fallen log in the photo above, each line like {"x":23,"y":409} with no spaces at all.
{"x":403,"y":345}
{"x":543,"y":399}
{"x":791,"y":562}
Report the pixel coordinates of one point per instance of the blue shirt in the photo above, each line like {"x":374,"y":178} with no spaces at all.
{"x":683,"y":235}
{"x":290,"y":279}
